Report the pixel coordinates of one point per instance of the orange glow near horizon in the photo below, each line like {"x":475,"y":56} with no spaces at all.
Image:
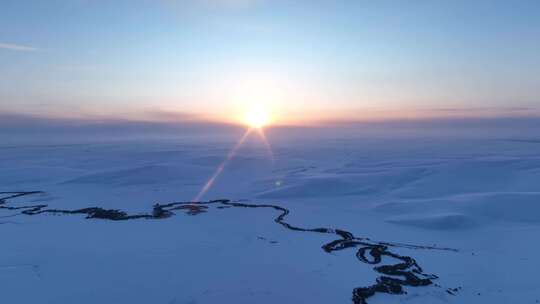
{"x":274,"y":114}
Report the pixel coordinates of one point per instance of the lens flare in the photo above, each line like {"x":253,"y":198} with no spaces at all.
{"x":266,"y":143}
{"x":256,"y":118}
{"x":221,"y":166}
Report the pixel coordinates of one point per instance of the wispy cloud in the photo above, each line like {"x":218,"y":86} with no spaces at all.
{"x":234,"y":3}
{"x":17,"y":47}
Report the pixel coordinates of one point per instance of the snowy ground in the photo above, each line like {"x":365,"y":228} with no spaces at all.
{"x":480,"y":196}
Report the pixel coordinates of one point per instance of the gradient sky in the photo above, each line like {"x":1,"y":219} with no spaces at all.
{"x":304,"y":60}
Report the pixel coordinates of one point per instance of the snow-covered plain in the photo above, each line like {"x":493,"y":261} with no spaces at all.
{"x":477,"y":194}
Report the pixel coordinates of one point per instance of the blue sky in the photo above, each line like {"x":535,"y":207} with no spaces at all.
{"x":304,"y":60}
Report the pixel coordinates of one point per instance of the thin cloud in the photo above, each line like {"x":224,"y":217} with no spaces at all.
{"x":234,"y":3}
{"x":17,"y":47}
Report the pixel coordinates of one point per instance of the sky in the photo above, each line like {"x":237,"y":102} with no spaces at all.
{"x":303,"y":61}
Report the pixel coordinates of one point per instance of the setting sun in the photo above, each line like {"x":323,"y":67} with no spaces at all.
{"x":257,"y":117}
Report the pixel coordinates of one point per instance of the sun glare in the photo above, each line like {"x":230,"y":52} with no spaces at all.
{"x":257,"y":117}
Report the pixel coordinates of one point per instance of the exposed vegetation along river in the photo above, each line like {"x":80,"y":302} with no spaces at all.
{"x":392,"y":277}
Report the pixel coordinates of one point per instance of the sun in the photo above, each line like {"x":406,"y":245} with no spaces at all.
{"x":257,"y":117}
